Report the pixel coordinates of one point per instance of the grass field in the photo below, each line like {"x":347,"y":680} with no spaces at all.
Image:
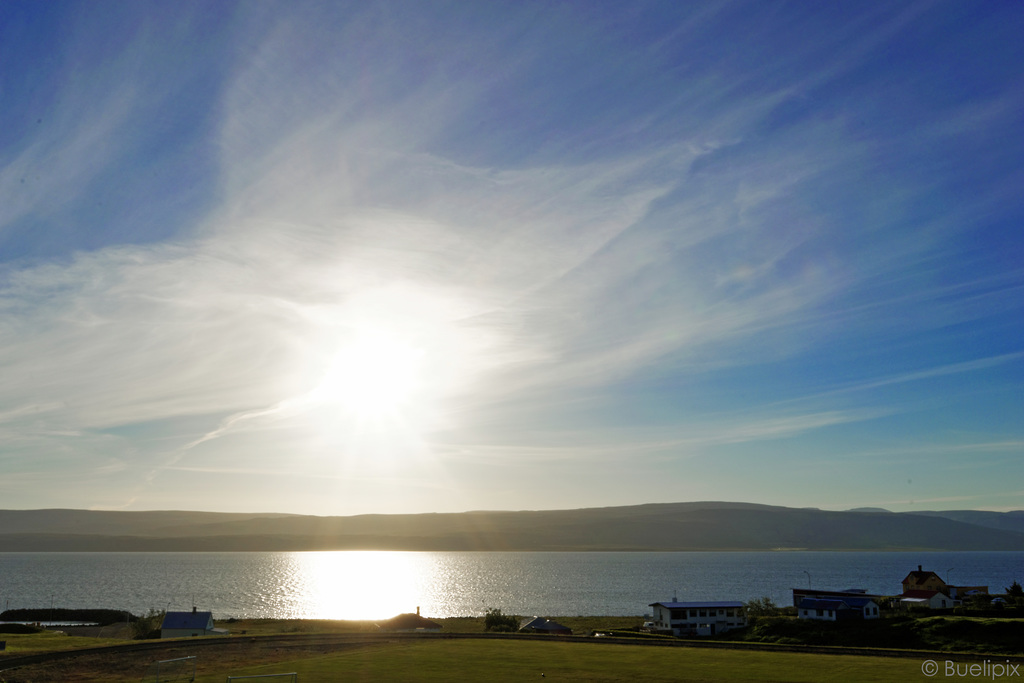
{"x":51,"y":642}
{"x":255,"y":649}
{"x":479,"y":660}
{"x":474,"y":660}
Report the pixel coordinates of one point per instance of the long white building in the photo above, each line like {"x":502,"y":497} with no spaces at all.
{"x":698,"y":618}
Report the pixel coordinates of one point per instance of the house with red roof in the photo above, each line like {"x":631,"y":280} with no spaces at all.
{"x":921,"y":580}
{"x":926,"y":581}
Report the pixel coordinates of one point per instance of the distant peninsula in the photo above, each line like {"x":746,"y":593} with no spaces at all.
{"x":646,"y":528}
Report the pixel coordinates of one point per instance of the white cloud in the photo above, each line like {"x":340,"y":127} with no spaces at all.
{"x":685,"y":232}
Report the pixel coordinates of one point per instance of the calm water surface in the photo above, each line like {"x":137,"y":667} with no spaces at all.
{"x":371,"y":585}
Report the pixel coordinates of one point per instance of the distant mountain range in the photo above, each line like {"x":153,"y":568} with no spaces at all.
{"x":663,"y":526}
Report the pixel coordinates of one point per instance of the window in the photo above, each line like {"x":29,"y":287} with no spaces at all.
{"x":703,"y":613}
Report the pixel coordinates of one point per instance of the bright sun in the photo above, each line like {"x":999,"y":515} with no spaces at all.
{"x":374,"y":376}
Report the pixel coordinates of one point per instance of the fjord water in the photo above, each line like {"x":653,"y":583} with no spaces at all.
{"x":372,"y":585}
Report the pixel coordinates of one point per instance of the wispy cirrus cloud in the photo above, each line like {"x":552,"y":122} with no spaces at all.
{"x":730,"y":232}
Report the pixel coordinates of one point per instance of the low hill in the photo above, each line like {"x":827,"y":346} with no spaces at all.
{"x":670,"y":526}
{"x":1007,"y":521}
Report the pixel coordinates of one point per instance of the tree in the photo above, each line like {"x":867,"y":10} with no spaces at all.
{"x":494,"y":620}
{"x":1015,"y":590}
{"x":761,"y":607}
{"x":148,"y":626}
{"x":979,"y":601}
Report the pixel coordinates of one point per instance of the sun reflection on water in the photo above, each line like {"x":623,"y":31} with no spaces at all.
{"x":354,"y":584}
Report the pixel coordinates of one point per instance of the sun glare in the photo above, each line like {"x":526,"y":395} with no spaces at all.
{"x":385,"y":369}
{"x":374,"y":376}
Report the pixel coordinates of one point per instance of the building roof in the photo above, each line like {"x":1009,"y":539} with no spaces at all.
{"x":848,"y":593}
{"x":920,"y":576}
{"x":812,"y":603}
{"x":859,"y":603}
{"x":719,"y":604}
{"x":187,"y":620}
{"x":919,"y":594}
{"x":542,"y":624}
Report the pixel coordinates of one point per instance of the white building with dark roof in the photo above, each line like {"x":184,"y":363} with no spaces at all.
{"x":837,"y":609}
{"x":928,"y":599}
{"x":854,"y":593}
{"x":698,"y":618}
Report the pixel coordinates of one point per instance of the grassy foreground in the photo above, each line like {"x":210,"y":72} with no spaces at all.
{"x":442,"y":659}
{"x":496,"y":660}
{"x":522,"y":660}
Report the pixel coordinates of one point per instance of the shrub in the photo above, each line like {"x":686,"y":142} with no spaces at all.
{"x":494,"y":620}
{"x":148,"y":627}
{"x":761,"y":607}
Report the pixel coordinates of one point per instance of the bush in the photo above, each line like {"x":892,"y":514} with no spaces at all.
{"x":761,"y":607}
{"x":494,"y":620}
{"x":148,"y":627}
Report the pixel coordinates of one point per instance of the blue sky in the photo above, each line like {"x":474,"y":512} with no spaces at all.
{"x":341,"y":258}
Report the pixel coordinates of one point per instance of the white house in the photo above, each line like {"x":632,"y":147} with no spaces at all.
{"x":931,"y":599}
{"x":698,"y":618}
{"x":855,"y":593}
{"x":835,"y":609}
{"x":187,"y":624}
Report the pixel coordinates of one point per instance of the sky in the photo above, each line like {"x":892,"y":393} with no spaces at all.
{"x":338,"y":258}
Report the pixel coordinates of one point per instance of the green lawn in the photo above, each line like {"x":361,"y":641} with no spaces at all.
{"x":29,"y":644}
{"x":440,"y":659}
{"x":513,"y":660}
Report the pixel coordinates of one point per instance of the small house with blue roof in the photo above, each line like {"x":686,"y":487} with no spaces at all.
{"x":698,"y":618}
{"x":188,"y":624}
